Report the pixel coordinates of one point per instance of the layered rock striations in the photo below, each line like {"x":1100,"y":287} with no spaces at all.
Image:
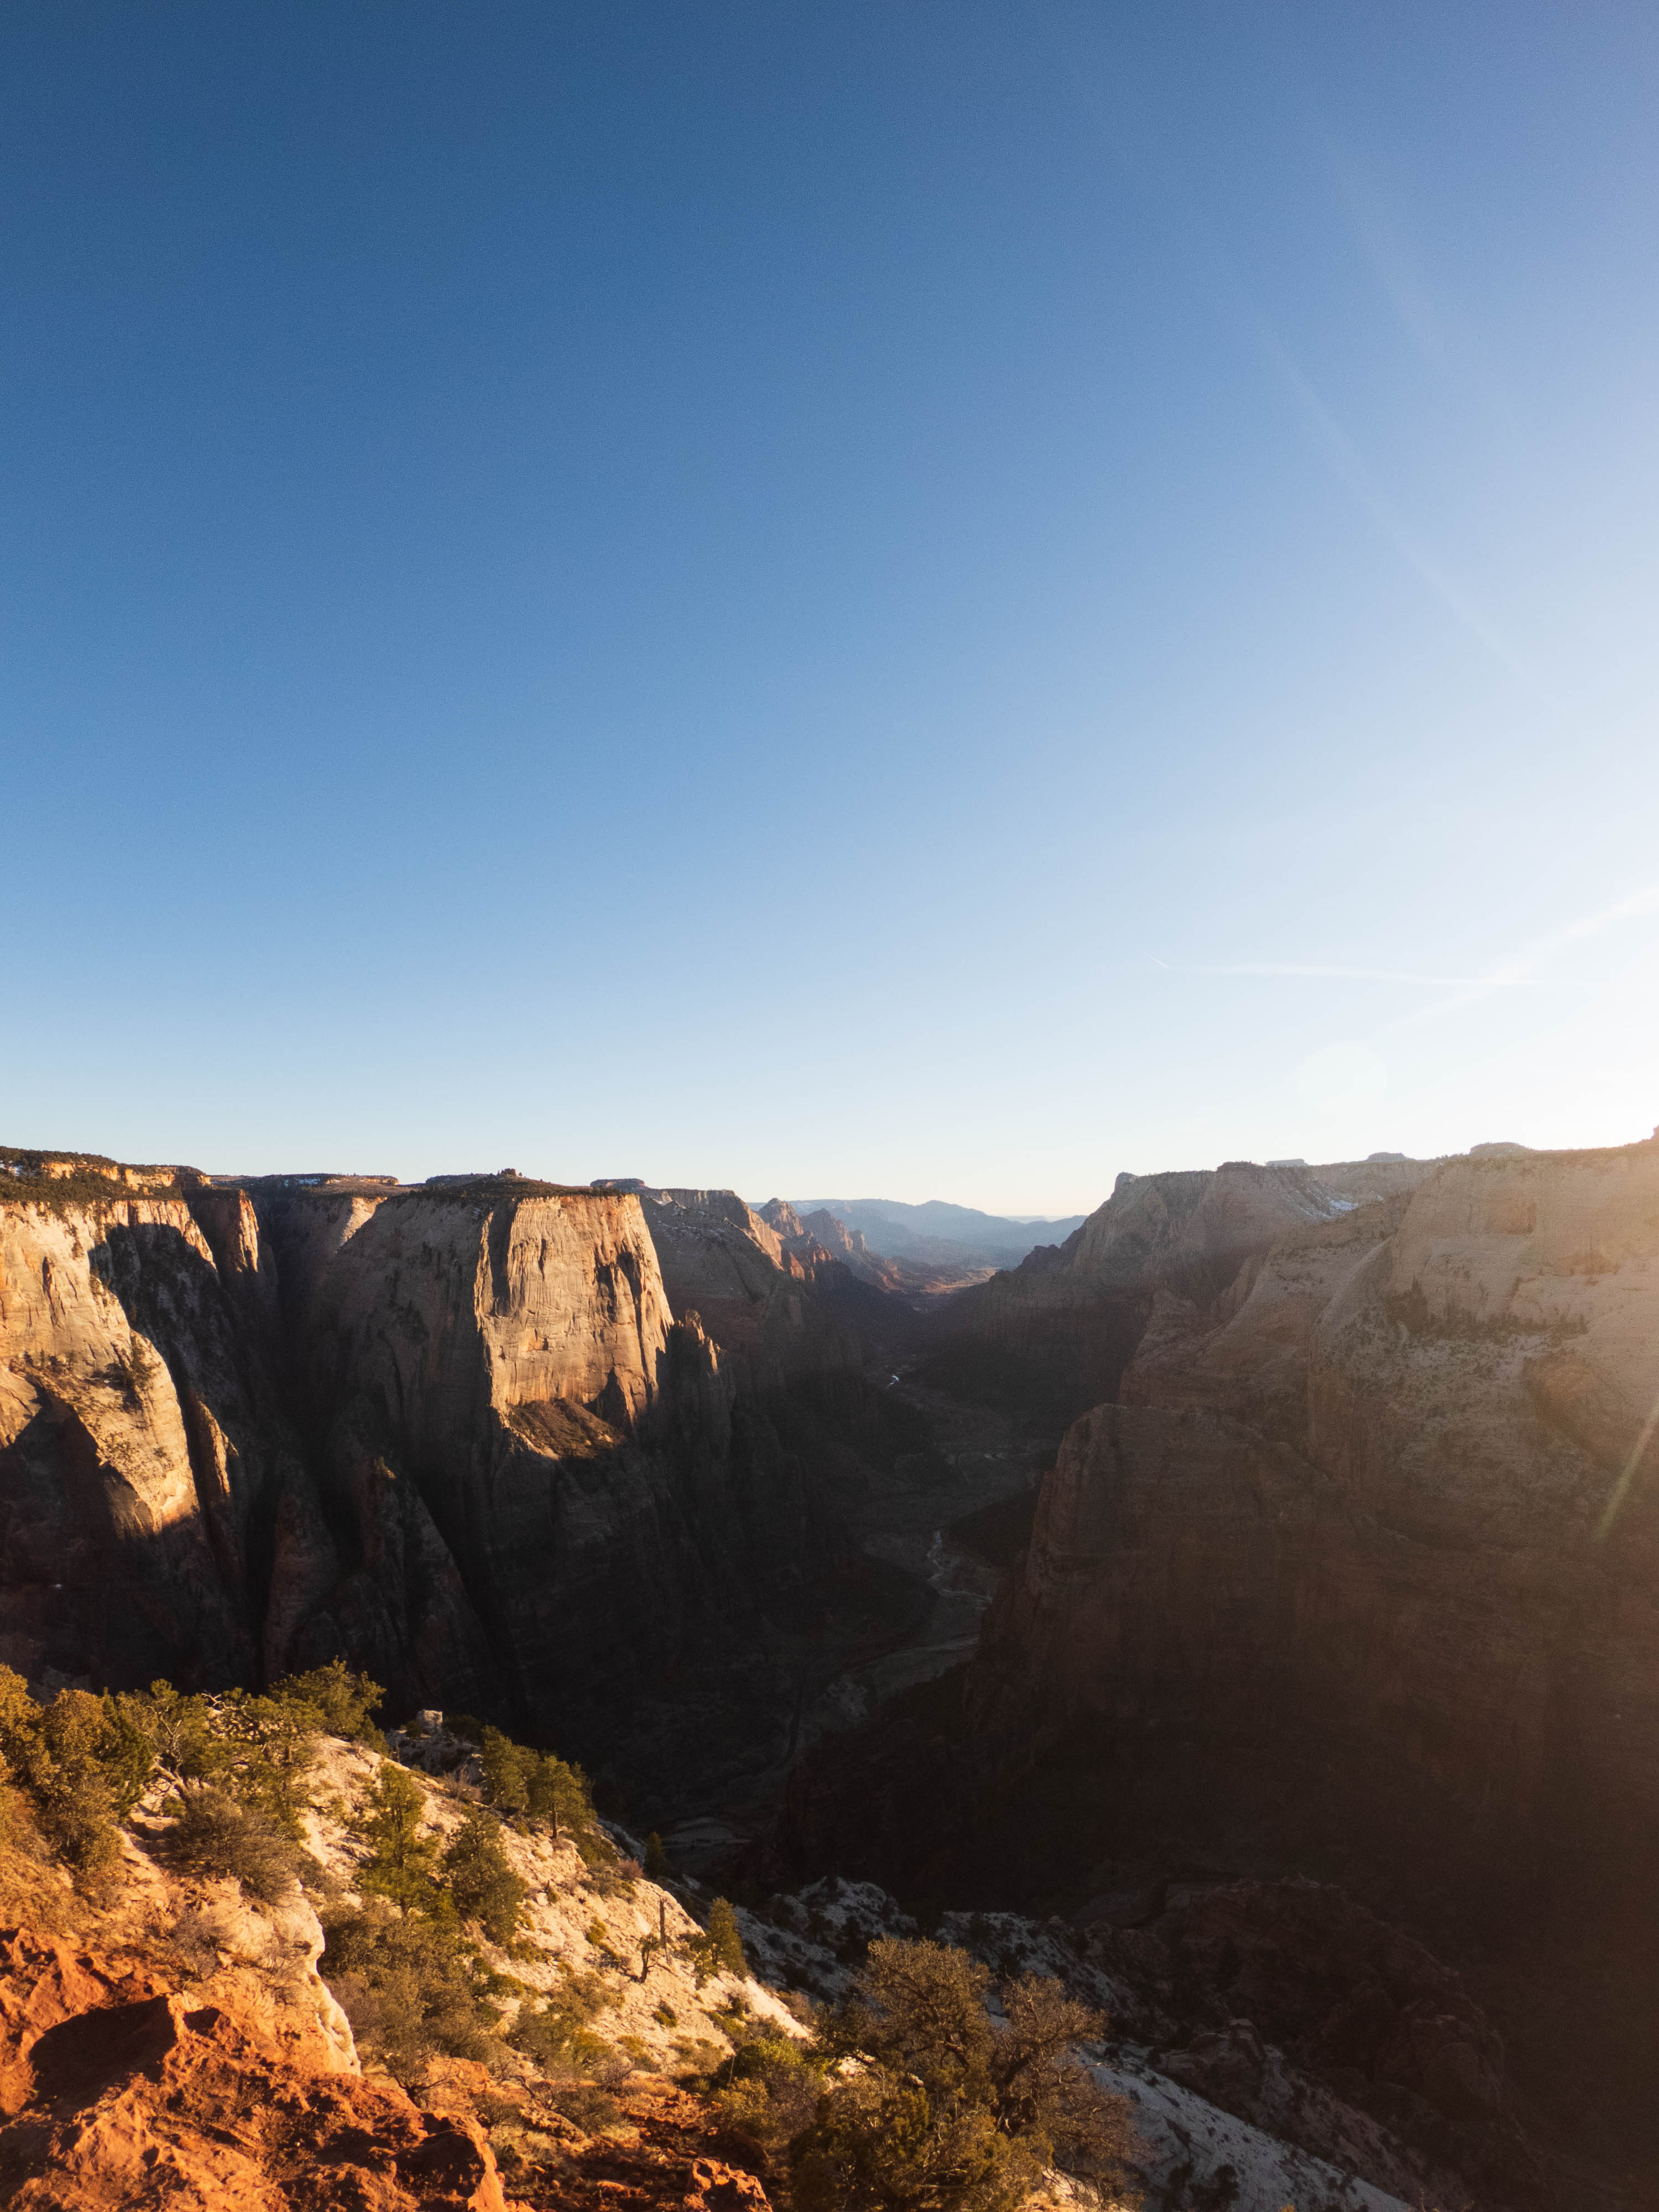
{"x":757,"y":1289}
{"x":455,"y":1433}
{"x":1056,"y":1333}
{"x":144,"y":1445}
{"x":1356,"y":1574}
{"x":1394,"y":1483}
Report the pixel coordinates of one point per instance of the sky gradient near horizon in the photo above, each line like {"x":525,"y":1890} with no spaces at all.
{"x":934,"y":599}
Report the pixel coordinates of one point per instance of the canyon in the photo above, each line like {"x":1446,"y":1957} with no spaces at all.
{"x":1317,"y":1504}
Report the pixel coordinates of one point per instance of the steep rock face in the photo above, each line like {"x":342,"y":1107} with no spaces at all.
{"x":1162,"y":1581}
{"x":1362,"y":1574}
{"x":757,"y":1289}
{"x":143,"y":1448}
{"x":1056,"y":1333}
{"x":531,"y":1448}
{"x":1245,"y":1353}
{"x":455,"y":1433}
{"x":816,"y":1239}
{"x":1365,"y":1180}
{"x":1191,"y":1232}
{"x":1371,"y":1485}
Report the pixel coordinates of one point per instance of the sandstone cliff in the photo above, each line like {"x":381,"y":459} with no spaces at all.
{"x":454,"y":1432}
{"x":759,"y":1293}
{"x":1056,"y":1333}
{"x":819,"y":1238}
{"x":1395,"y":1480}
{"x":1357,"y":1577}
{"x":143,"y":1447}
{"x":166,"y":2037}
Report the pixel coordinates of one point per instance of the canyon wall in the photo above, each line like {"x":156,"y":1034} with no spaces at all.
{"x":455,"y":1433}
{"x":143,"y":1447}
{"x":1055,"y":1334}
{"x":1394,"y":1483}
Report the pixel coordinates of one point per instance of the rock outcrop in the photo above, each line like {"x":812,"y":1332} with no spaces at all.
{"x":168,"y":2040}
{"x":1055,"y":1332}
{"x":144,"y":1445}
{"x":455,"y":1433}
{"x":758,"y":1292}
{"x":1355,"y":1574}
{"x":1395,"y":1484}
{"x":122,"y":2091}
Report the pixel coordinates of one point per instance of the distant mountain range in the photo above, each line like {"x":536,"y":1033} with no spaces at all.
{"x":939,"y":1232}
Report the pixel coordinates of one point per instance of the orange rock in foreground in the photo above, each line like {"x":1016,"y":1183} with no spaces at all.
{"x":120,"y":2092}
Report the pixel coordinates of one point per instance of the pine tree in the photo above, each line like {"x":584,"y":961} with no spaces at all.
{"x":725,"y":1942}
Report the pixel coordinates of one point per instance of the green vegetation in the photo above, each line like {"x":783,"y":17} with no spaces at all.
{"x":237,"y":1763}
{"x":345,"y":1703}
{"x":909,"y":2098}
{"x":411,"y":1980}
{"x":402,"y":1966}
{"x":401,"y":1860}
{"x":530,"y":1786}
{"x":718,"y":1950}
{"x":231,"y":1773}
{"x":940,"y":2110}
{"x":215,"y":1835}
{"x":771,"y":2089}
{"x":555,"y":2033}
{"x":476,"y":1872}
{"x":407,"y":1986}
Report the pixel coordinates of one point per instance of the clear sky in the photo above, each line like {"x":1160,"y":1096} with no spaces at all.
{"x":922,"y":599}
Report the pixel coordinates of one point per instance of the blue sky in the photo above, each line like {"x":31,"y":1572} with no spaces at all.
{"x":926,"y":600}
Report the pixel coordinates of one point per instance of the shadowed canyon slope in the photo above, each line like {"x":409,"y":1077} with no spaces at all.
{"x":455,"y":1430}
{"x":1056,"y":1333}
{"x":1343,"y":1565}
{"x":1354,"y":1574}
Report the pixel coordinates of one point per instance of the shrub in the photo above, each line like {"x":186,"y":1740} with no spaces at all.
{"x":555,"y":2033}
{"x":343,"y":1701}
{"x":213,"y":1834}
{"x":657,"y":1868}
{"x":505,"y":1772}
{"x":401,"y":1860}
{"x":535,"y":1785}
{"x":718,"y":1950}
{"x":125,"y":1751}
{"x":80,"y":1770}
{"x":940,"y":2108}
{"x":591,"y":2107}
{"x":181,"y":1732}
{"x":405,"y":1988}
{"x":882,"y":2140}
{"x":263,"y":1748}
{"x":769,"y":2088}
{"x":83,"y":1762}
{"x":476,"y":1872}
{"x":77,"y":1811}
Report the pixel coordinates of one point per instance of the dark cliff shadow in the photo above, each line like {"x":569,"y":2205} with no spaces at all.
{"x":88,"y":1591}
{"x":212,"y":1330}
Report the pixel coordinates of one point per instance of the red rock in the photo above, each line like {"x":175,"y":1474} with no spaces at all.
{"x":121,"y":2093}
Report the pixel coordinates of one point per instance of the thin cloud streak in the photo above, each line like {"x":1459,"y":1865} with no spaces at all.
{"x":1157,"y":187}
{"x":1518,"y":969}
{"x":1372,"y":975}
{"x":1514,"y":974}
{"x":1348,"y":466}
